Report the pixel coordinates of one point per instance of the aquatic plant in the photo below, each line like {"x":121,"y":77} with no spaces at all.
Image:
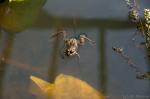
{"x":147,"y":26}
{"x":66,"y":87}
{"x":133,"y":11}
{"x":135,"y":18}
{"x":139,"y":74}
{"x":147,"y":17}
{"x":143,"y":76}
{"x":127,"y":58}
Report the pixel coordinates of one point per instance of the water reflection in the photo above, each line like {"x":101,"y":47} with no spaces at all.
{"x":32,"y":52}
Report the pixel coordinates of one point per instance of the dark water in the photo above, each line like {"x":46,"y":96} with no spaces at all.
{"x":31,"y":52}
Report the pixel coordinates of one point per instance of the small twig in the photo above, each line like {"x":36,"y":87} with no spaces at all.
{"x":127,"y":58}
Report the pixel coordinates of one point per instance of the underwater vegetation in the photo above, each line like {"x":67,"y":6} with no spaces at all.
{"x":17,"y":15}
{"x":140,"y":74}
{"x":143,"y":28}
{"x":144,"y":76}
{"x":147,"y":25}
{"x":133,"y":13}
{"x":134,"y":17}
{"x":66,"y":87}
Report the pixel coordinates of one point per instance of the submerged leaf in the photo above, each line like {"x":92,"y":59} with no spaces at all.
{"x":41,"y":83}
{"x":67,"y":87}
{"x":17,"y":15}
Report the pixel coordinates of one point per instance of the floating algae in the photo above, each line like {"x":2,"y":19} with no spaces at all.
{"x":66,"y":87}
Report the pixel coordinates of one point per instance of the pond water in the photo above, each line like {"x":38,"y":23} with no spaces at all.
{"x":26,"y":48}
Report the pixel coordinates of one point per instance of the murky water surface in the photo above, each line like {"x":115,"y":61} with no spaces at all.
{"x":30,"y":51}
